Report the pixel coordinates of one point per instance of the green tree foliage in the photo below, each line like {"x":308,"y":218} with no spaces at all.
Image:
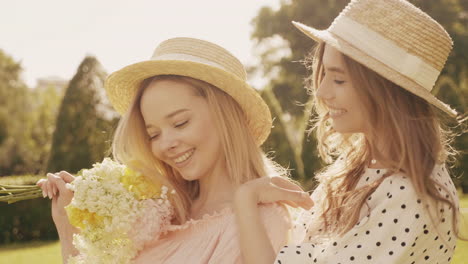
{"x":85,"y":119}
{"x":46,"y":103}
{"x":27,"y":120}
{"x":286,"y":73}
{"x":15,"y":154}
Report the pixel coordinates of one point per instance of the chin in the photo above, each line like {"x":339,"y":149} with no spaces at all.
{"x":343,"y":129}
{"x":190,"y":177}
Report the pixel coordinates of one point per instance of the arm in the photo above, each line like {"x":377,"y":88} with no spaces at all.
{"x":54,"y":187}
{"x":255,"y":243}
{"x":65,"y":233}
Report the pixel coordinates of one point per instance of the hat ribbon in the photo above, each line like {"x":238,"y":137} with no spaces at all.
{"x":385,"y":51}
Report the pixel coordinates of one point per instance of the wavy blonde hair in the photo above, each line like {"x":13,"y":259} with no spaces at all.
{"x":244,"y":160}
{"x":411,"y":124}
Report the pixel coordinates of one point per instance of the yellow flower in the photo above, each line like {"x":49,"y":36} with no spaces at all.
{"x":139,"y":185}
{"x":82,"y":218}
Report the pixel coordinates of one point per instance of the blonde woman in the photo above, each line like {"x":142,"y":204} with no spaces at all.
{"x":387,"y":197}
{"x":194,"y":124}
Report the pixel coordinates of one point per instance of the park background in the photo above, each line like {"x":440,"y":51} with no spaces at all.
{"x":66,"y":123}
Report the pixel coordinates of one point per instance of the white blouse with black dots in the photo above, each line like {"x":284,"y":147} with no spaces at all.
{"x":394,"y":228}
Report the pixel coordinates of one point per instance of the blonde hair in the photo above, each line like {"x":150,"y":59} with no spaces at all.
{"x":244,"y":160}
{"x":418,"y":143}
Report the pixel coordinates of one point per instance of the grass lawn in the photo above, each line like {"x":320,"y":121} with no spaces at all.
{"x":49,"y":252}
{"x":33,"y":252}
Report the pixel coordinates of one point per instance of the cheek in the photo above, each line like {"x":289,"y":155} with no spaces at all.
{"x":155,"y":150}
{"x":351,"y":98}
{"x":207,"y":135}
{"x":359,"y":112}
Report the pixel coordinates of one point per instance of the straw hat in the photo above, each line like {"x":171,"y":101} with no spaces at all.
{"x":393,"y":38}
{"x":200,"y":60}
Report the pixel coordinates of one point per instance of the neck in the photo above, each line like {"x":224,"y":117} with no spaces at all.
{"x":216,"y":191}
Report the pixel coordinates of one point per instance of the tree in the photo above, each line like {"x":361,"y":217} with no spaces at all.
{"x":282,"y":48}
{"x":16,"y":157}
{"x":43,"y":117}
{"x":282,"y":63}
{"x":84,"y":123}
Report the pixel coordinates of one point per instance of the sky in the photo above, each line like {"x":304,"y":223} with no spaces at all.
{"x":50,"y":38}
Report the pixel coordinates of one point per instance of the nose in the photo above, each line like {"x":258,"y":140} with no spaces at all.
{"x":325,"y":90}
{"x":168,"y":142}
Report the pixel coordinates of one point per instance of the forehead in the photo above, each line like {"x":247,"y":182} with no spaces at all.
{"x":166,"y":89}
{"x":332,"y":57}
{"x":162,"y":97}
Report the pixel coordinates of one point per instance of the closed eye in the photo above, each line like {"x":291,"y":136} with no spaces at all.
{"x":181,"y":124}
{"x":153,"y":137}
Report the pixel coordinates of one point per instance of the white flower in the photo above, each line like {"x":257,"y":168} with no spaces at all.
{"x":115,"y":225}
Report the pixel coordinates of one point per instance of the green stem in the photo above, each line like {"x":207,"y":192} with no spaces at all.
{"x":17,"y":190}
{"x":19,"y":186}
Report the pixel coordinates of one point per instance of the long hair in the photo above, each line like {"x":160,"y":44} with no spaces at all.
{"x":244,"y":160}
{"x":418,"y":144}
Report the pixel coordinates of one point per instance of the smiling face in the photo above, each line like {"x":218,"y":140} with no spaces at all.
{"x":181,"y":130}
{"x":339,"y":95}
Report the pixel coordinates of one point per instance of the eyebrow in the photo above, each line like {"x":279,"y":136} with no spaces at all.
{"x":171,"y":115}
{"x":335,"y":69}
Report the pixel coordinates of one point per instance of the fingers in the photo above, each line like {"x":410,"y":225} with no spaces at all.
{"x":51,"y":185}
{"x":55,"y":183}
{"x":292,"y":204}
{"x":294,"y":198}
{"x":66,"y":177}
{"x":58,"y":183}
{"x":285,"y":184}
{"x":40,"y":182}
{"x":43,"y":184}
{"x":54,"y":190}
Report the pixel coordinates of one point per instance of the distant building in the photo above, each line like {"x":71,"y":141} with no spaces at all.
{"x":58,"y":83}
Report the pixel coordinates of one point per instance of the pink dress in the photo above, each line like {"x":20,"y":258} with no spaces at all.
{"x":213,"y":239}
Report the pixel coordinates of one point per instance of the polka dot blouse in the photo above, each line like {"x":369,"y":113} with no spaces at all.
{"x":393,"y":227}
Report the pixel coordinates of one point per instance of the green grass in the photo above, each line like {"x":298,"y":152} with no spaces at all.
{"x":33,"y":252}
{"x":49,"y":252}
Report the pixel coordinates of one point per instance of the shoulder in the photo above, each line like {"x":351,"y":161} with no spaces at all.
{"x":399,"y":186}
{"x":445,"y":185}
{"x":397,"y":199}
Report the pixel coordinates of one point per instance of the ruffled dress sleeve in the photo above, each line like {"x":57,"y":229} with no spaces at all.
{"x":213,"y":239}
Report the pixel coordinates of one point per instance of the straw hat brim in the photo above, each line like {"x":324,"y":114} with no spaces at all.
{"x":122,"y":85}
{"x":374,"y":65}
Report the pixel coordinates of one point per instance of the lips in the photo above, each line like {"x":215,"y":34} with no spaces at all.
{"x":336,"y":112}
{"x":180,"y":159}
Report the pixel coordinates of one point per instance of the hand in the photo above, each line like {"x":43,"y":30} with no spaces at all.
{"x":275,"y":189}
{"x":54,"y":187}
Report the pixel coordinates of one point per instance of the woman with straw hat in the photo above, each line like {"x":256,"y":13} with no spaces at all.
{"x":192,"y":122}
{"x":387,"y":197}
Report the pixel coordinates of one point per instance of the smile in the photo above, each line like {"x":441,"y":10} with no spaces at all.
{"x":336,"y":112}
{"x":184,"y":157}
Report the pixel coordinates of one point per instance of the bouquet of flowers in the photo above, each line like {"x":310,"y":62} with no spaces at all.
{"x":117,"y":211}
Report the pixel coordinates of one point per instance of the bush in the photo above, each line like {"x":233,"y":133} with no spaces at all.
{"x":26,"y":220}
